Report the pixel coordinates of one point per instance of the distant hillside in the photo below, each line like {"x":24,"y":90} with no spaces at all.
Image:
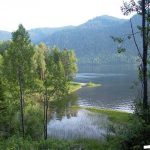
{"x":92,"y":43}
{"x":4,"y":35}
{"x":91,"y":40}
{"x":102,"y":22}
{"x":39,"y":34}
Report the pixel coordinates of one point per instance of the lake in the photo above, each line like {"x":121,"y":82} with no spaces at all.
{"x":115,"y":93}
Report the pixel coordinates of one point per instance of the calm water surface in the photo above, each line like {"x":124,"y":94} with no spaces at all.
{"x":115,"y":93}
{"x":83,"y":124}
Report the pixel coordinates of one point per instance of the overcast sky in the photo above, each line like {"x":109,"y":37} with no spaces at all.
{"x":54,"y":13}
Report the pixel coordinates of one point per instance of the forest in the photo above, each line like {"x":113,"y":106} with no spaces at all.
{"x":31,"y":75}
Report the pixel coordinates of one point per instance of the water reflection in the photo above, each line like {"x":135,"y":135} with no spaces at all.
{"x":115,"y":93}
{"x":84,"y":124}
{"x":62,"y":108}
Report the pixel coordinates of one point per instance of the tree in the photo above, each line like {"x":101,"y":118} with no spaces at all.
{"x":3,"y":110}
{"x":40,"y":69}
{"x":142,"y":8}
{"x":60,"y":69}
{"x":69,"y":60}
{"x":4,"y":45}
{"x":39,"y":60}
{"x":52,"y":81}
{"x":18,"y":64}
{"x":56,"y":70}
{"x":145,"y":52}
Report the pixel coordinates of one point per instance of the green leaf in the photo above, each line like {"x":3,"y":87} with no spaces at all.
{"x":120,"y":49}
{"x":129,"y":37}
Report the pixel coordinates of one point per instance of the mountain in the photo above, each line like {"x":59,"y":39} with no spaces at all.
{"x":4,"y":35}
{"x":92,"y":40}
{"x":37,"y":35}
{"x":102,"y":22}
{"x":92,"y":43}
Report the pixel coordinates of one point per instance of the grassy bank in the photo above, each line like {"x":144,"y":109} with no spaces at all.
{"x":111,"y":143}
{"x":113,"y":115}
{"x":74,"y":86}
{"x":17,"y":143}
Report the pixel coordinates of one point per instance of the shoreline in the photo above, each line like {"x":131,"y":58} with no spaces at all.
{"x":75,"y":86}
{"x":116,"y":116}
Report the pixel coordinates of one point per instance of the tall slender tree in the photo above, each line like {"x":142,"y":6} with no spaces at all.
{"x":141,"y":7}
{"x":145,"y":52}
{"x":18,"y":63}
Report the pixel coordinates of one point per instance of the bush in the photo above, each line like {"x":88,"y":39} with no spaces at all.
{"x":137,"y":133}
{"x":33,"y":121}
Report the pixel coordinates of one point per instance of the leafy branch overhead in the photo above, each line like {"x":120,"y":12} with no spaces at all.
{"x":119,"y":42}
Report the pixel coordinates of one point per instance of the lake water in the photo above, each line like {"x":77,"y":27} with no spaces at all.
{"x":115,"y":93}
{"x":83,"y":124}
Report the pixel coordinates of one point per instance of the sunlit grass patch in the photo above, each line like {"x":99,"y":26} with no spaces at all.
{"x":74,"y":86}
{"x":113,"y":115}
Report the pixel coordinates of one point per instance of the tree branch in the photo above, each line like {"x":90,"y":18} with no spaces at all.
{"x":139,"y":53}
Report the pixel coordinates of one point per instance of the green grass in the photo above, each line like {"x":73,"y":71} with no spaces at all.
{"x":92,"y":144}
{"x":16,"y":143}
{"x":91,"y":84}
{"x":74,"y":86}
{"x":113,"y":115}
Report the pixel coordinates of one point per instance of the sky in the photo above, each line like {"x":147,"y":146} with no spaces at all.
{"x":54,"y":13}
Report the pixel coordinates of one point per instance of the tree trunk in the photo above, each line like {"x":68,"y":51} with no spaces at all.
{"x":45,"y":113}
{"x":21,"y":104}
{"x":44,"y":117}
{"x":145,"y":49}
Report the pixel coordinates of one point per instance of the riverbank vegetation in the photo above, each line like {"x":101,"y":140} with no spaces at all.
{"x":74,"y":86}
{"x":31,"y":75}
{"x":15,"y":143}
{"x":115,"y":116}
{"x":118,"y":127}
{"x":34,"y":141}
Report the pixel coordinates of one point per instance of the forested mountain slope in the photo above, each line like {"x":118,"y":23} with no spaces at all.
{"x":92,"y":40}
